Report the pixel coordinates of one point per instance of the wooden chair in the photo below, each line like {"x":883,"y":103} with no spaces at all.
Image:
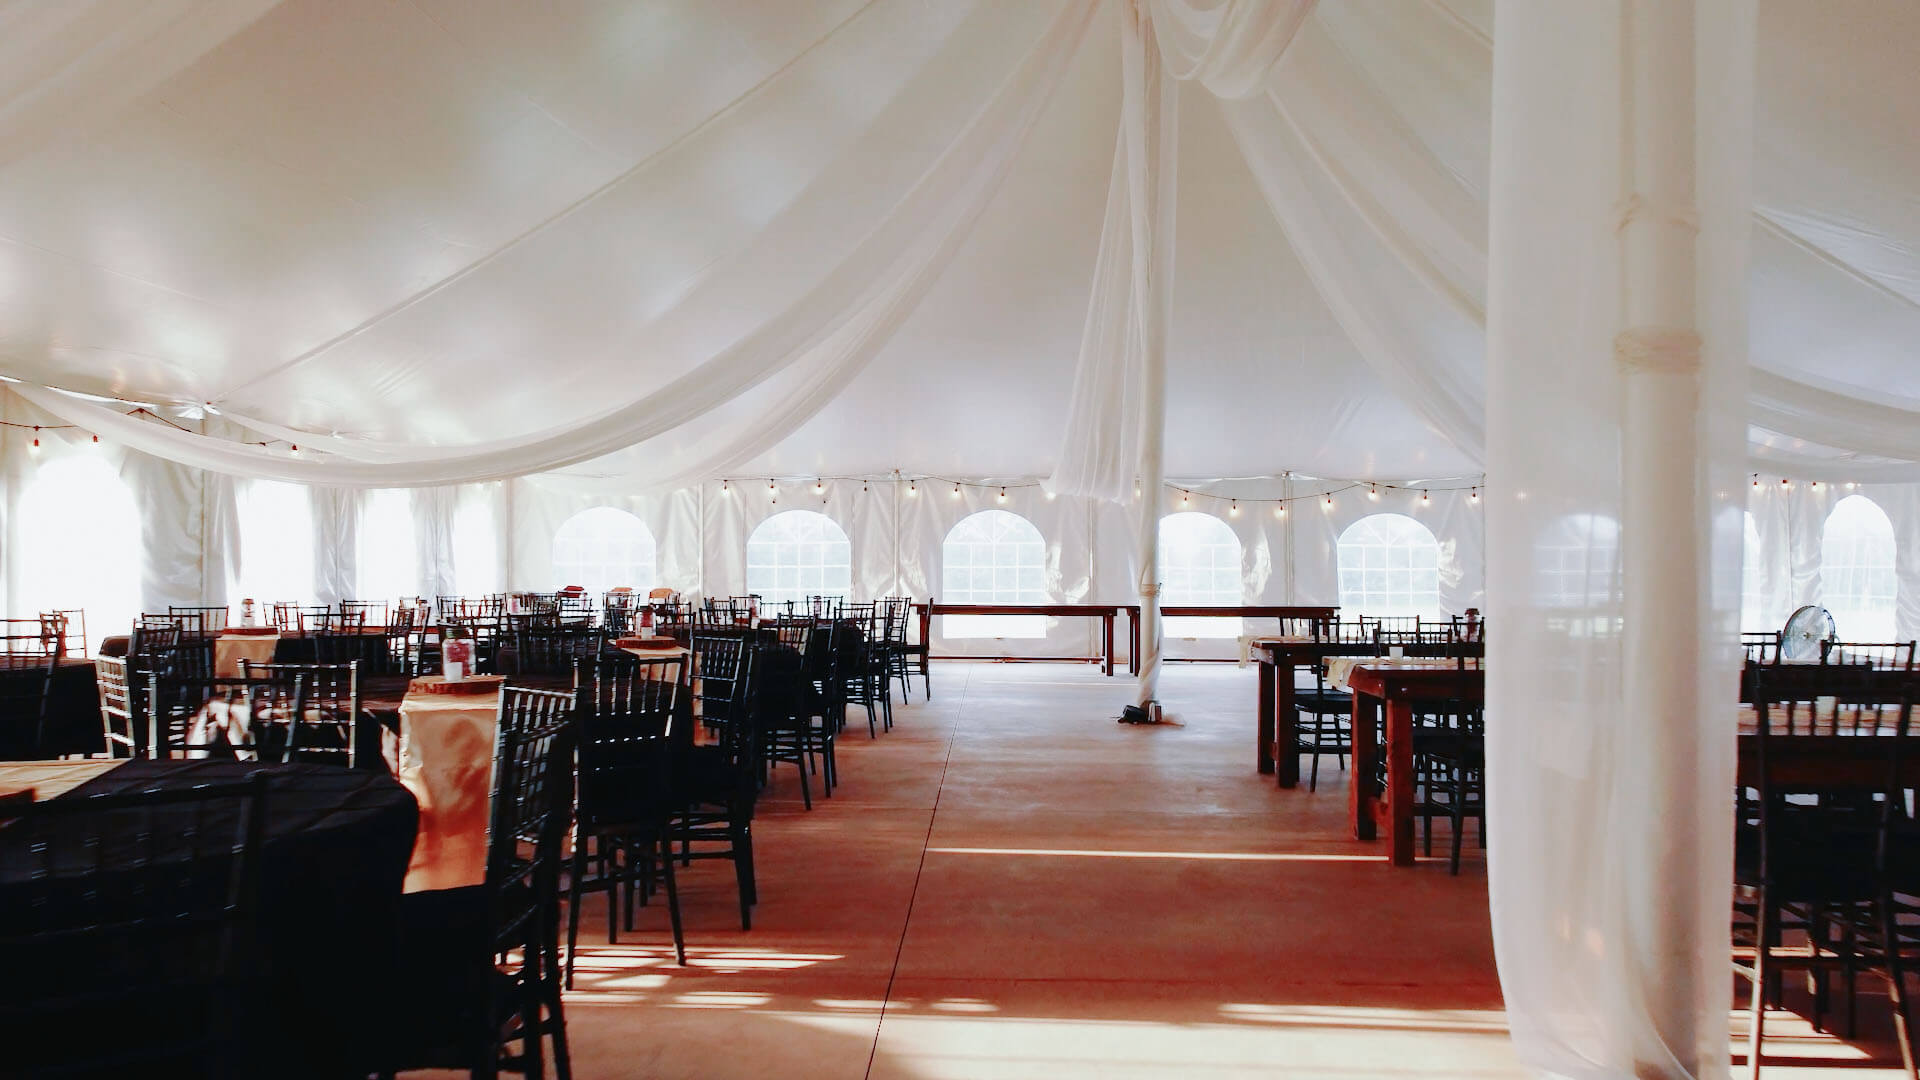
{"x":213,"y":618}
{"x":117,"y":708}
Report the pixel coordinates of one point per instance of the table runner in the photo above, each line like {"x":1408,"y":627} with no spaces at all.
{"x":230,"y":649}
{"x":446,"y":760}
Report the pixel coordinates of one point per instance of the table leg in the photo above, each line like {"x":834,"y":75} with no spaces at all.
{"x":926,"y":641}
{"x":1133,"y":644}
{"x":1264,"y":754}
{"x":1106,"y":624}
{"x":1282,"y":747}
{"x":1360,"y":799}
{"x":1399,"y":750}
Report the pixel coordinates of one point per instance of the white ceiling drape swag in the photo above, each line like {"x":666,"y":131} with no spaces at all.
{"x":1616,"y":326}
{"x":66,"y":66}
{"x":828,"y":335}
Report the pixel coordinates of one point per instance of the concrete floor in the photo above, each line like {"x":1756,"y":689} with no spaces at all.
{"x":1009,"y":885}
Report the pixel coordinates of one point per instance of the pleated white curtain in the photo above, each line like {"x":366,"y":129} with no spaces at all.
{"x":1618,"y":231}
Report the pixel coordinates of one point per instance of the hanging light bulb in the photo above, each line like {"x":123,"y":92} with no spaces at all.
{"x":913,"y":489}
{"x":96,"y":440}
{"x":1816,"y":485}
{"x":956,"y":489}
{"x":1786,"y":483}
{"x":295,"y":451}
{"x":770,"y":488}
{"x":1003,"y":493}
{"x":35,"y":448}
{"x":1233,"y":509}
{"x":1373,"y":492}
{"x":1329,"y":500}
{"x":1186,"y":498}
{"x":725,"y":488}
{"x":1424,"y":498}
{"x":1280,"y":511}
{"x":819,"y":487}
{"x":1756,"y":479}
{"x":1474,"y":496}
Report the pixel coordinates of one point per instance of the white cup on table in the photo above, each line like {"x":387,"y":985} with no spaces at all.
{"x":1397,"y":652}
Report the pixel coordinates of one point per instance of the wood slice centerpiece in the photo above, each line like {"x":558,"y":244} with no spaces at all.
{"x":472,"y":685}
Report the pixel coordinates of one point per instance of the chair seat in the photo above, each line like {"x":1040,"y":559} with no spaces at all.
{"x":1322,"y":701}
{"x":1829,"y":869}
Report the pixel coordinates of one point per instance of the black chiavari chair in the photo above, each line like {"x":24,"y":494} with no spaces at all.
{"x":329,"y":727}
{"x":165,"y":991}
{"x":213,"y":617}
{"x":1826,"y":854}
{"x":630,"y":728}
{"x":1323,"y":716}
{"x":715,"y":786}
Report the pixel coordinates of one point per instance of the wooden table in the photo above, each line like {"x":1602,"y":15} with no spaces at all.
{"x":1280,"y":658}
{"x":1396,"y":690}
{"x":1282,"y":612}
{"x":1106,"y":613}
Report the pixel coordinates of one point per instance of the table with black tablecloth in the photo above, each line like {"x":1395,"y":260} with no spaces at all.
{"x":336,"y":851}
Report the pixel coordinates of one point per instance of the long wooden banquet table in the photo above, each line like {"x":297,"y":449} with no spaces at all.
{"x":1106,"y":613}
{"x":1285,"y":613}
{"x":1280,"y":659}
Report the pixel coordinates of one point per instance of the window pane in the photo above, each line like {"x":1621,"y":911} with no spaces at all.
{"x":796,"y":554}
{"x":604,"y":548}
{"x":1389,"y":565}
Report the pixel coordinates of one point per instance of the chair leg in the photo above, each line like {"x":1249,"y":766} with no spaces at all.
{"x":673,"y":904}
{"x":1897,"y":982}
{"x":573,"y":907}
{"x":1757,"y":1003}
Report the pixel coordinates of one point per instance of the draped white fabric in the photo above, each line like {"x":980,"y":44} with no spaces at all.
{"x":1615,"y":367}
{"x":65,"y":67}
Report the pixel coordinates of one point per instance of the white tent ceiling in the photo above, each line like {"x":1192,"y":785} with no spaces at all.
{"x":448,"y":222}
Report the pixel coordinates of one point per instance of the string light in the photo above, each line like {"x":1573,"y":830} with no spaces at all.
{"x":1280,"y":511}
{"x":1816,"y":485}
{"x":1003,"y":493}
{"x":96,"y":440}
{"x":863,"y":486}
{"x":1373,"y":492}
{"x":913,"y":489}
{"x":294,"y":450}
{"x":1234,"y":509}
{"x":1474,"y":496}
{"x":1424,"y":498}
{"x":1756,"y":479}
{"x":1186,"y":499}
{"x":1329,"y":500}
{"x":35,"y":448}
{"x":726,"y":487}
{"x":819,"y":487}
{"x":956,"y":489}
{"x":1786,"y":483}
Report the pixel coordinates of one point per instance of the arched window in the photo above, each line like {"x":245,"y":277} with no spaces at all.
{"x":1389,"y":565}
{"x":1577,"y":562}
{"x":796,"y":554}
{"x":994,"y":557}
{"x":276,"y":545}
{"x":1756,"y":614}
{"x":476,"y":543}
{"x":603,"y":548}
{"x":388,"y":565}
{"x":1199,"y":566}
{"x":80,"y":545}
{"x":1856,"y":570}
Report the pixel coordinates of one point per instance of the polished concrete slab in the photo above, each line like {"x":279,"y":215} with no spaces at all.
{"x":1011,"y":885}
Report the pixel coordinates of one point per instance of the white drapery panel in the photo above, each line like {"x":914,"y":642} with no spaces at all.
{"x":1616,"y":363}
{"x":1231,"y":48}
{"x":66,"y":66}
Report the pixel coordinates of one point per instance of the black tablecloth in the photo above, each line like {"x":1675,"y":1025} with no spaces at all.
{"x":337,"y":846}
